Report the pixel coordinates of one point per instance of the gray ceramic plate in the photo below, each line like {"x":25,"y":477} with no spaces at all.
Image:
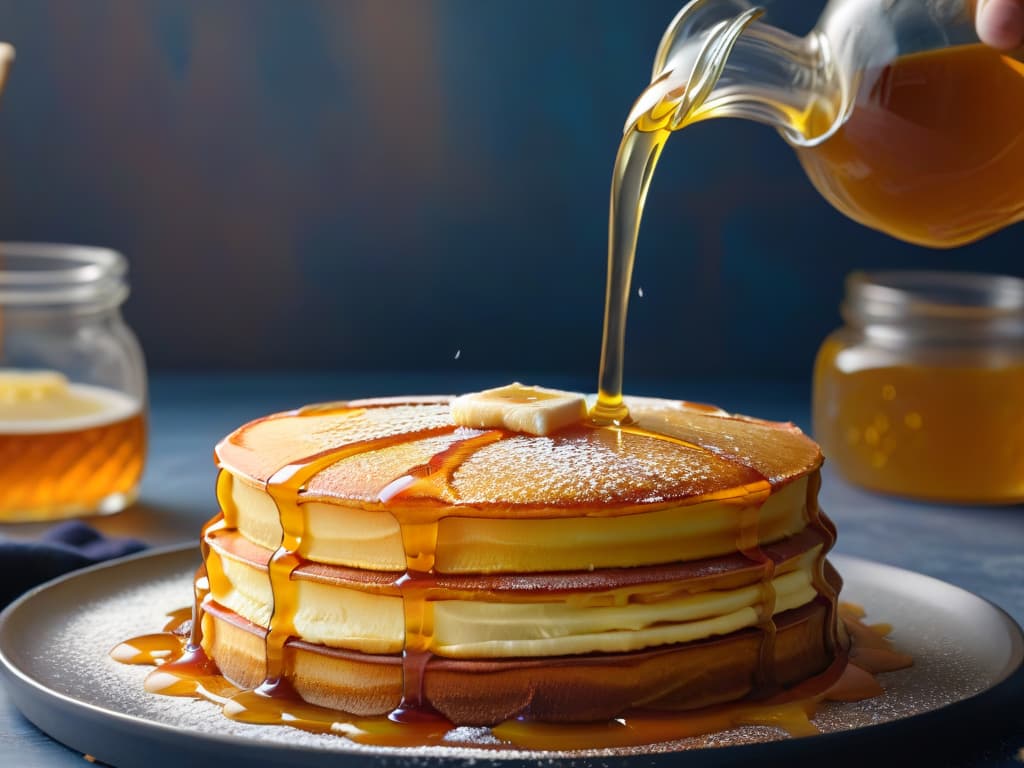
{"x":54,"y":643}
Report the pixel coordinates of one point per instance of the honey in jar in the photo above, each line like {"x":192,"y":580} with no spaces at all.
{"x":66,"y":449}
{"x":72,"y":384}
{"x":921,"y":394}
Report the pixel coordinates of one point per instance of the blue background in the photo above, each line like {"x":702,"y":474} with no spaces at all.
{"x":378,"y":185}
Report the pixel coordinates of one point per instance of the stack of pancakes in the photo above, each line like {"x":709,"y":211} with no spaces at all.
{"x":396,"y":559}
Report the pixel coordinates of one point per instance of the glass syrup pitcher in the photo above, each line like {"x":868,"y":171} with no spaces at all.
{"x":901,"y":118}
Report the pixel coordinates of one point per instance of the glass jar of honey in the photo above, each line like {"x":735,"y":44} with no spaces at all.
{"x":72,"y":384}
{"x":921,"y":393}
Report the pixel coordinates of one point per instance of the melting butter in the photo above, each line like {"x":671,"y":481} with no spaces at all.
{"x":520,"y":408}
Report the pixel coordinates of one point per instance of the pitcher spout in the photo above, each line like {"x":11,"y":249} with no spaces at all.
{"x":717,"y":59}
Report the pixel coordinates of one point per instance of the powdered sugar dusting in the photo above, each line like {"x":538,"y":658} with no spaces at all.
{"x":593,"y":467}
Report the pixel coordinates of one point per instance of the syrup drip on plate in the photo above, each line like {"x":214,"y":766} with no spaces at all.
{"x":791,"y":711}
{"x":190,"y":671}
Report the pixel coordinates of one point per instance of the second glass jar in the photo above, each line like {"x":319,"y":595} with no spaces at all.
{"x":921,"y":393}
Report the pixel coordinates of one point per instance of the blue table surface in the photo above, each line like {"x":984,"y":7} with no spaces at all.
{"x":979,"y":549}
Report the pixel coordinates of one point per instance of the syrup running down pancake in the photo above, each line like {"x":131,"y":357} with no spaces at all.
{"x":377,"y":557}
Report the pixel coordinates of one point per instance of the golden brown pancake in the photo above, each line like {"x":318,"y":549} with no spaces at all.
{"x":376,"y":554}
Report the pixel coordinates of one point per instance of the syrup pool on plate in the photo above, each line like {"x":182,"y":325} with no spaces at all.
{"x":183,"y":669}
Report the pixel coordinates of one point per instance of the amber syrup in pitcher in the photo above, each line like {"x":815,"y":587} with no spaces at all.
{"x":933,"y":151}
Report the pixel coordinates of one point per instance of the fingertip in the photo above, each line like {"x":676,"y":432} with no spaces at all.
{"x":1001,"y":23}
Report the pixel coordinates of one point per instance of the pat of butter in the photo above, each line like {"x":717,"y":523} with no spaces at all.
{"x":19,"y":386}
{"x":519,"y":408}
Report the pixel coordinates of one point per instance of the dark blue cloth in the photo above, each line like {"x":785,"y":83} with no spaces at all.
{"x":63,"y":548}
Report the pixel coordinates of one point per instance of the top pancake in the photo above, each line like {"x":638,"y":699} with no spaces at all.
{"x":409,"y":449}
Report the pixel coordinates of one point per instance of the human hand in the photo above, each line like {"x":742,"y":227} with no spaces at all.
{"x":1001,"y":23}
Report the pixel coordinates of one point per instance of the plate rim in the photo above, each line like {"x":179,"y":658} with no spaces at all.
{"x":386,"y":756}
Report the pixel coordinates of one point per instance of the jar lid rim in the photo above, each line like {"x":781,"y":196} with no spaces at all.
{"x":926,"y":293}
{"x":86,"y":264}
